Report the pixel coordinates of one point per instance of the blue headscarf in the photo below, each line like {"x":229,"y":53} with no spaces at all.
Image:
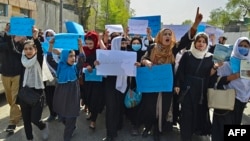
{"x":65,"y":72}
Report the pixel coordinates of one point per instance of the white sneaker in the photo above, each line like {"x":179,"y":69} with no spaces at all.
{"x":45,"y":132}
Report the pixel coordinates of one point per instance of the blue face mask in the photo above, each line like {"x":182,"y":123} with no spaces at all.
{"x":136,"y":47}
{"x":243,"y":51}
{"x":48,"y":38}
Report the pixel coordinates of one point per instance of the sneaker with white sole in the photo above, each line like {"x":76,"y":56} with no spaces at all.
{"x":45,"y":131}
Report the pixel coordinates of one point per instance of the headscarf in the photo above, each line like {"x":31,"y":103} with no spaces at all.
{"x":197,"y":53}
{"x":66,"y":72}
{"x":116,"y":43}
{"x":121,"y":81}
{"x":162,"y":54}
{"x":236,"y":56}
{"x":235,"y":52}
{"x":94,"y":37}
{"x":45,"y":32}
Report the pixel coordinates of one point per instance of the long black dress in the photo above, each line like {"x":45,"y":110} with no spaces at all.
{"x":149,"y":100}
{"x":93,"y":91}
{"x":194,"y":110}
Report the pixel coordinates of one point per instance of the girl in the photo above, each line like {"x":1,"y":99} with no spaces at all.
{"x":32,"y":60}
{"x":93,"y":90}
{"x":230,"y":79}
{"x":66,"y":102}
{"x":193,"y":72}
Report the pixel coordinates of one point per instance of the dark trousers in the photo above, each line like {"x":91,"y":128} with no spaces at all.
{"x":49,"y":93}
{"x":32,"y":114}
{"x":238,"y":111}
{"x":220,"y":118}
{"x":114,"y":107}
{"x":70,"y":125}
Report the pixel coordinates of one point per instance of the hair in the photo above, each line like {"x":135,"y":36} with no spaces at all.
{"x":30,"y":42}
{"x":201,"y":35}
{"x":136,"y":38}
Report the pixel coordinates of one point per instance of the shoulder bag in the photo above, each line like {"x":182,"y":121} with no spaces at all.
{"x":221,"y":99}
{"x":29,"y":96}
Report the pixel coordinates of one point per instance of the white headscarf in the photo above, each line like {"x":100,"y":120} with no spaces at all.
{"x":121,"y":81}
{"x":235,"y":52}
{"x":197,"y":53}
{"x":45,"y":32}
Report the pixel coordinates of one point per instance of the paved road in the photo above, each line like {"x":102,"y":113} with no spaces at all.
{"x":83,"y":132}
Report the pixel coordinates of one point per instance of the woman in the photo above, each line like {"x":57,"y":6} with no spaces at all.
{"x":192,"y":77}
{"x":115,"y":87}
{"x":93,"y":90}
{"x":230,"y":79}
{"x":50,"y":86}
{"x":32,"y":60}
{"x":163,"y":52}
{"x":66,"y":102}
{"x":133,"y":113}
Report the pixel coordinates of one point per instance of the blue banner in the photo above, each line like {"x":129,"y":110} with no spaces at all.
{"x":45,"y":47}
{"x":159,"y":78}
{"x":67,"y":41}
{"x":154,"y":22}
{"x":21,"y":26}
{"x":73,"y":27}
{"x":92,"y":76}
{"x":201,"y":28}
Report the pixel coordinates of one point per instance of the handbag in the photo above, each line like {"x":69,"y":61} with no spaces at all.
{"x":29,"y":96}
{"x":132,"y":98}
{"x":221,"y":99}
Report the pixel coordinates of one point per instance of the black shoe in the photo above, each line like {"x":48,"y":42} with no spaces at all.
{"x":10,"y":128}
{"x":145,"y":133}
{"x":108,"y":139}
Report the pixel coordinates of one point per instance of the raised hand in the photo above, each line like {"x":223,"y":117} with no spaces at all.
{"x":35,"y":33}
{"x":198,"y":17}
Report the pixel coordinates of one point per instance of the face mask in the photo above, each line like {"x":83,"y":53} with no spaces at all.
{"x":56,"y":57}
{"x":48,"y":38}
{"x":136,"y":47}
{"x":243,"y":51}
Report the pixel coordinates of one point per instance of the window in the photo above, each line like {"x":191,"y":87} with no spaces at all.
{"x":3,"y":9}
{"x":25,"y":12}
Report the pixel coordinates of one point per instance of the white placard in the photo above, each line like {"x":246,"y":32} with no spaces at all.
{"x":114,"y":28}
{"x":116,"y":62}
{"x":137,"y":26}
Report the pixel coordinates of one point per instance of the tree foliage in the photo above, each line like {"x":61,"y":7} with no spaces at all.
{"x":234,"y":11}
{"x":113,"y":12}
{"x":187,"y":22}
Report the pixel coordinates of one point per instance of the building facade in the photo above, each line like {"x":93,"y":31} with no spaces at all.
{"x":45,"y":12}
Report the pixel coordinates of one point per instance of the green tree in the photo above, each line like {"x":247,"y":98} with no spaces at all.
{"x":234,"y":11}
{"x":187,"y":22}
{"x":113,"y":12}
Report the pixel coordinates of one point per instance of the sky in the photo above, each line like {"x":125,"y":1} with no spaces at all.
{"x":175,"y":11}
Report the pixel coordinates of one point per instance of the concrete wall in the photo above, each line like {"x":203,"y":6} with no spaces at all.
{"x":48,"y":16}
{"x":233,"y":36}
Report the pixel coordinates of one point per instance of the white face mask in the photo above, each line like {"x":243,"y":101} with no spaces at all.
{"x":56,"y":57}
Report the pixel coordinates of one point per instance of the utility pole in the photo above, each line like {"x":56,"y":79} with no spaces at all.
{"x":61,"y":16}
